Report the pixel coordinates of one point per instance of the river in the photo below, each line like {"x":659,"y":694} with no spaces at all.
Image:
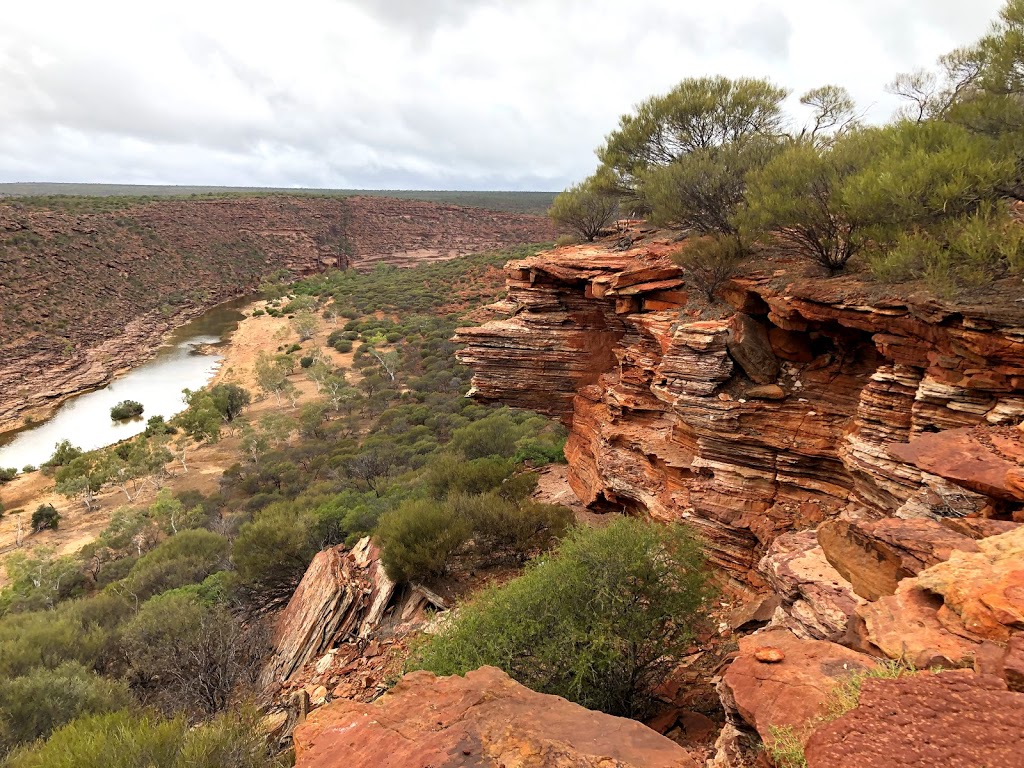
{"x":157,"y":384}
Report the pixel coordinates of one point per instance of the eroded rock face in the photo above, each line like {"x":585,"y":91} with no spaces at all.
{"x":950,"y":719}
{"x":661,"y":423}
{"x":342,"y":596}
{"x":482,"y":719}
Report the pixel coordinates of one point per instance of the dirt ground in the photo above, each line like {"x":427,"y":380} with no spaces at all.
{"x":206,"y":463}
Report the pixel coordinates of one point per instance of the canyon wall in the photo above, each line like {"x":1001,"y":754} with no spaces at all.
{"x":769,"y":416}
{"x":90,"y":288}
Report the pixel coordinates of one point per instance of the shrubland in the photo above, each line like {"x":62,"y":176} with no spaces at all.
{"x":924,"y":197}
{"x":158,"y":624}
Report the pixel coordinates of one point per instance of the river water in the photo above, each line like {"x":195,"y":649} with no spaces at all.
{"x":157,"y":384}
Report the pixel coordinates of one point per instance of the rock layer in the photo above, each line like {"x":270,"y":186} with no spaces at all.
{"x":482,"y":719}
{"x":656,"y":395}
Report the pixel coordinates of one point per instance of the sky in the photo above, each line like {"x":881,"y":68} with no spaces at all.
{"x":410,"y":94}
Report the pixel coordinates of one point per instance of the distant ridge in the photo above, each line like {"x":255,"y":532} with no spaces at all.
{"x":511,"y":202}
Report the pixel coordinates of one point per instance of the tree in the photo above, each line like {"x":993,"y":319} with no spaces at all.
{"x":584,"y":209}
{"x":272,"y":373}
{"x":126,"y":409}
{"x":230,"y":400}
{"x":642,"y":585}
{"x":834,"y":114}
{"x":305,"y":324}
{"x":698,"y":114}
{"x":46,"y":517}
{"x":202,"y":419}
{"x":703,"y":189}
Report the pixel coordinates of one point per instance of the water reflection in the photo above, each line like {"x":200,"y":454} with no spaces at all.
{"x":85,"y":420}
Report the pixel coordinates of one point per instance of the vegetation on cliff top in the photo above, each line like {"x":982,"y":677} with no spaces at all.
{"x":923,"y":197}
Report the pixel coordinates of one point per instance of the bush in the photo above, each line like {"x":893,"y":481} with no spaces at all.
{"x":187,"y":558}
{"x":230,"y":400}
{"x":273,"y":550}
{"x":417,"y":539}
{"x":448,"y":473}
{"x":46,"y":517}
{"x":141,"y":740}
{"x":709,"y":262}
{"x":600,"y":622}
{"x":584,"y":209}
{"x":503,"y":526}
{"x":306,"y":361}
{"x":29,"y":468}
{"x":48,"y":639}
{"x":343,"y":345}
{"x":188,"y":656}
{"x":126,"y":409}
{"x":7,"y":474}
{"x":34,"y":705}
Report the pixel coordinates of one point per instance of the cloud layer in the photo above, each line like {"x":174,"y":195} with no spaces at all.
{"x":416,"y":94}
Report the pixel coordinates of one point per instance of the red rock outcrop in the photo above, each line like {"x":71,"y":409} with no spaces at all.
{"x":775,"y":417}
{"x":791,"y":692}
{"x":482,"y":719}
{"x":950,"y":719}
{"x":84,"y":295}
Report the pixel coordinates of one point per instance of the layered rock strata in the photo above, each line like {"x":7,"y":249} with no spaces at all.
{"x":775,"y":415}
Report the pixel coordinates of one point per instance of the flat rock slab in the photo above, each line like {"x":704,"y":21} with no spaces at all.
{"x":951,"y":719}
{"x":791,"y":691}
{"x":989,"y":460}
{"x":483,"y":719}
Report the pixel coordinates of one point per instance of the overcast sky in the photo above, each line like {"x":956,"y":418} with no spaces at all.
{"x":414,"y":94}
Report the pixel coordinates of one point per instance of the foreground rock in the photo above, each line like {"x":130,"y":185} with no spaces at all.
{"x":482,"y":719}
{"x":950,"y":719}
{"x":779,"y":681}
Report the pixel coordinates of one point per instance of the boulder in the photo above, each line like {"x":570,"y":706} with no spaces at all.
{"x":482,"y":719}
{"x":765,"y":392}
{"x":907,"y":625}
{"x":750,"y":347}
{"x":875,"y":555}
{"x":343,"y":594}
{"x":953,"y":719}
{"x":791,"y":692}
{"x":984,"y":589}
{"x":817,"y":602}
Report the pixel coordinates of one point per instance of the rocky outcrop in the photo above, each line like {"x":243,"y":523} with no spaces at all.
{"x":776,"y":416}
{"x":780,"y":682}
{"x":84,"y":295}
{"x":950,"y":719}
{"x":342,"y":597}
{"x":482,"y":719}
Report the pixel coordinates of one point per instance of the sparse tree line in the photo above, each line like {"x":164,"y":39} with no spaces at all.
{"x":923,"y":197}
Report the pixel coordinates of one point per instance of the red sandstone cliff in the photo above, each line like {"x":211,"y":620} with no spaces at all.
{"x":858,"y":454}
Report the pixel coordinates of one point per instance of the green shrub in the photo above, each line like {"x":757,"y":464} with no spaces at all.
{"x":501,"y":526}
{"x":29,"y":468}
{"x":188,"y":656}
{"x":306,"y":361}
{"x":448,"y":473}
{"x":709,"y":262}
{"x":7,"y":474}
{"x":417,"y":539}
{"x":584,"y":209}
{"x":33,"y":705}
{"x":141,"y":740}
{"x":187,"y":558}
{"x":48,"y":639}
{"x":126,"y":409}
{"x":46,"y":517}
{"x":600,"y":622}
{"x":273,"y":550}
